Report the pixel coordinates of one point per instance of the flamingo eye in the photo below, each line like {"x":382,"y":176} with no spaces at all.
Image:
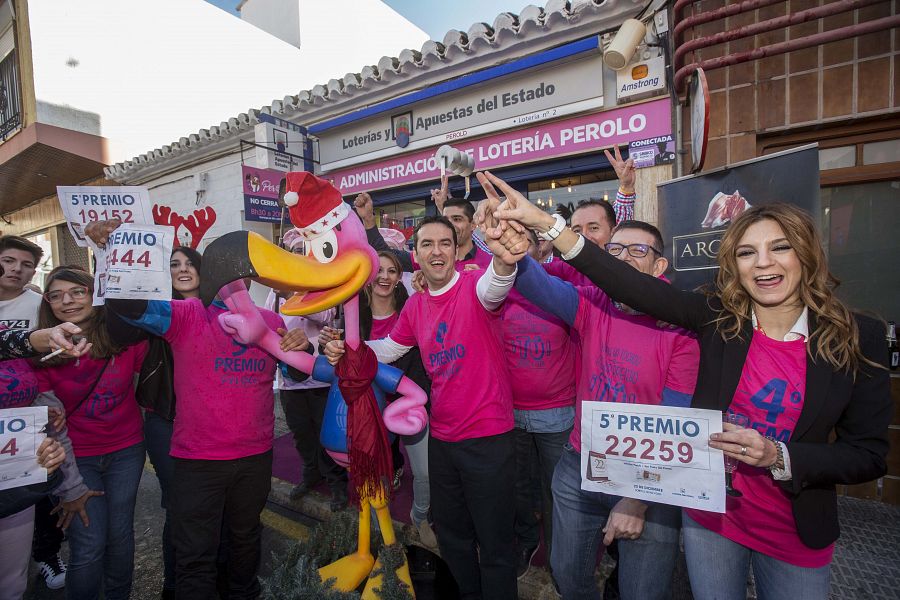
{"x":324,"y":247}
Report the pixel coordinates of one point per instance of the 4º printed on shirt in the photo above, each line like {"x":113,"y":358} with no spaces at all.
{"x":21,"y":432}
{"x":653,"y":453}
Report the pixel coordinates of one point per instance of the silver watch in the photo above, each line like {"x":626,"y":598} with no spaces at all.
{"x":553,"y":233}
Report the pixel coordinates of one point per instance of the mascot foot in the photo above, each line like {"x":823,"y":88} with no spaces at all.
{"x":349,"y":571}
{"x":397,"y":561}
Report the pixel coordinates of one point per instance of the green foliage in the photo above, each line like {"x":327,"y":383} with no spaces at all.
{"x":392,"y":588}
{"x":295,"y":575}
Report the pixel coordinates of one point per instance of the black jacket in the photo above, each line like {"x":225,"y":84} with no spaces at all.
{"x":857,"y":411}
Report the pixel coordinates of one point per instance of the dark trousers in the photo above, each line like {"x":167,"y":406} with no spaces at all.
{"x":48,"y":537}
{"x":158,"y":440}
{"x":541,"y":450}
{"x":472,"y":487}
{"x":209,"y":497}
{"x":303,"y":412}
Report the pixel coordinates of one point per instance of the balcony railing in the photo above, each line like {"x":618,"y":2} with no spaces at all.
{"x":10,"y":103}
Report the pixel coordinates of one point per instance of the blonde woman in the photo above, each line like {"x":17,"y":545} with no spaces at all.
{"x":777,"y":346}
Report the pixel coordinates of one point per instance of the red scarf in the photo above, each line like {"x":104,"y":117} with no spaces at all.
{"x":371,"y":468}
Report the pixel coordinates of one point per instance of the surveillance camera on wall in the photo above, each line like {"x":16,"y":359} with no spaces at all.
{"x":624,"y":44}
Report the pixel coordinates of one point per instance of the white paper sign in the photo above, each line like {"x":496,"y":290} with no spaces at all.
{"x":84,"y":204}
{"x":21,"y":433}
{"x":137,"y":263}
{"x":653,"y":453}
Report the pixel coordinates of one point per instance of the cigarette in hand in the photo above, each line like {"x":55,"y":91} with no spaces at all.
{"x":76,"y":339}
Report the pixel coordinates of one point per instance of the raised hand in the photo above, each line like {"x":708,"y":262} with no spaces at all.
{"x":624,"y":169}
{"x":439,"y":196}
{"x":365,"y":209}
{"x":516,"y":211}
{"x":99,"y":231}
{"x":64,"y":335}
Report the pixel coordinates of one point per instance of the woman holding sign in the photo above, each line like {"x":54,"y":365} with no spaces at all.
{"x":777,"y":346}
{"x":105,"y":427}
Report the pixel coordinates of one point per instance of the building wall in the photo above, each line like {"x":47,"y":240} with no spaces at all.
{"x":823,"y":85}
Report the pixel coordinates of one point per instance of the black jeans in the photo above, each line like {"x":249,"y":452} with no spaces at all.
{"x":472,"y":502}
{"x":303,"y":412}
{"x":209,"y":497}
{"x":48,"y":537}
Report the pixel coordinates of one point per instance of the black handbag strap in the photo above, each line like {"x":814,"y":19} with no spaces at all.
{"x":93,"y":387}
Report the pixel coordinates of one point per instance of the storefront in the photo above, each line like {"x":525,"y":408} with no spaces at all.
{"x":540,"y":122}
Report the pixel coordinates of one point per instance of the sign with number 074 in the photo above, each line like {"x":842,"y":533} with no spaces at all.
{"x":653,"y":453}
{"x":21,"y":433}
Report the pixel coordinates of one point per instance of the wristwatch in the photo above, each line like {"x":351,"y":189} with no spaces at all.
{"x":553,"y":233}
{"x":778,"y":466}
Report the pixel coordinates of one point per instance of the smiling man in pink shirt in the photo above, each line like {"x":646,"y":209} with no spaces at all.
{"x":471,"y":460}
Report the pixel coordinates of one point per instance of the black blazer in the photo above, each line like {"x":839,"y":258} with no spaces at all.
{"x":858,"y":411}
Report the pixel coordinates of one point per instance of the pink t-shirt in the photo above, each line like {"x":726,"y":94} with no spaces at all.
{"x":226,"y":404}
{"x":470,"y":393}
{"x":628,"y":358}
{"x":539,"y":353}
{"x":18,"y":383}
{"x":110,"y":418}
{"x":382,"y":327}
{"x":770,"y":393}
{"x":566,"y":272}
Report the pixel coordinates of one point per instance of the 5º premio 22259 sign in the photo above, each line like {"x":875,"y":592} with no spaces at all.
{"x":653,"y":453}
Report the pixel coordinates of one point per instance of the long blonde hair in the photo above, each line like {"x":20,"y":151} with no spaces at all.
{"x":836,"y":336}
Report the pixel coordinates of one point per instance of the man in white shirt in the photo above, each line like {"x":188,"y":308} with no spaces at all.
{"x":18,"y":306}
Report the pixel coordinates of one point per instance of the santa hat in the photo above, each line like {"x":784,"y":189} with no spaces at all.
{"x":316,"y":206}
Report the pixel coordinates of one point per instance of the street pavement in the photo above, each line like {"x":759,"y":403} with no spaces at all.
{"x":281,"y":528}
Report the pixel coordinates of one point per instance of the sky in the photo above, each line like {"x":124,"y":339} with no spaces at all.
{"x":434,"y":16}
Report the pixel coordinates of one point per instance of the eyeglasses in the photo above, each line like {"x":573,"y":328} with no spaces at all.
{"x":76,"y":293}
{"x":635,"y":250}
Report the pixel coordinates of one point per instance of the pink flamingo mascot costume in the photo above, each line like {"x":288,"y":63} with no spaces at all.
{"x":338,"y":263}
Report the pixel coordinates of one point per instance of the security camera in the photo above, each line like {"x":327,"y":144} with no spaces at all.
{"x":626,"y":41}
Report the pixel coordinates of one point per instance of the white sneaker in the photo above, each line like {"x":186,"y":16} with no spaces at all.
{"x":53,"y":572}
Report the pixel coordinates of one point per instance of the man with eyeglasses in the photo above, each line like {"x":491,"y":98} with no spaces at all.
{"x":625,"y":357}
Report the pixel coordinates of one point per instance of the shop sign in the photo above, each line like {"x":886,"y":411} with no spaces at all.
{"x":652,"y":151}
{"x":282,"y":144}
{"x":576,"y":135}
{"x":641,"y":77}
{"x":533,"y":96}
{"x":695,"y":211}
{"x":261,"y":194}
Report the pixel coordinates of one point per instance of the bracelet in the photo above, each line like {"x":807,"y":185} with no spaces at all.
{"x":553,"y":233}
{"x":624,"y":193}
{"x":778,"y":465}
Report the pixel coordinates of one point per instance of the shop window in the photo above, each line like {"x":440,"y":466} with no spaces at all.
{"x":861,"y":225}
{"x":837,"y":158}
{"x":549,"y":194}
{"x":403,"y":216}
{"x":47,"y":260}
{"x":877,"y":153}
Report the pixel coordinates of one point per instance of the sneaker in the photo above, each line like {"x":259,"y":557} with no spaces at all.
{"x":524,"y":561}
{"x":54,"y":572}
{"x":426,"y":533}
{"x":398,"y":474}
